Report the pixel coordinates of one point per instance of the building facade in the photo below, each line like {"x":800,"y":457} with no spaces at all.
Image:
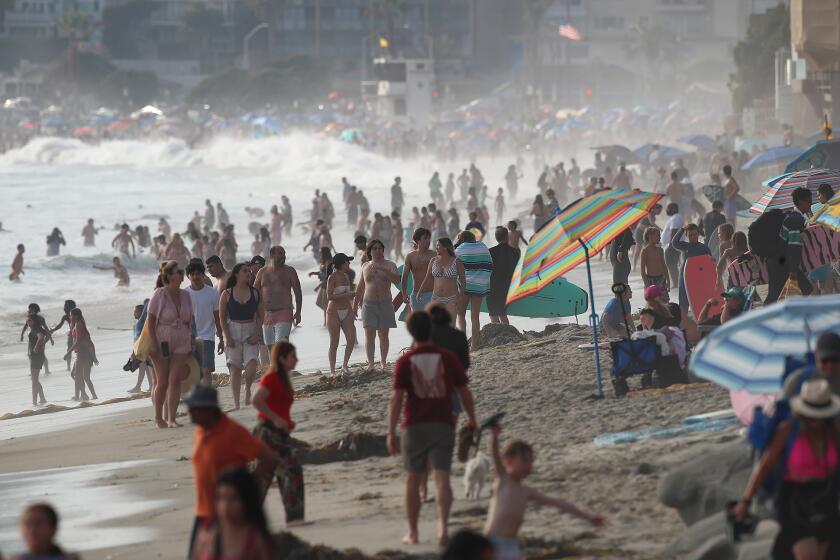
{"x":43,"y":18}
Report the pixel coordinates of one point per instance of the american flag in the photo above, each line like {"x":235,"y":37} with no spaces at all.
{"x":569,"y":32}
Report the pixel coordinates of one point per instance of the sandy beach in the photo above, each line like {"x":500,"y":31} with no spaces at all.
{"x":358,"y":504}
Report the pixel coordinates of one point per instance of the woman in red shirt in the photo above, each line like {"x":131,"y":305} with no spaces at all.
{"x":273,"y":401}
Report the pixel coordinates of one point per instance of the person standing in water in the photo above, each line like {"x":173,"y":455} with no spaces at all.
{"x":276,"y":283}
{"x":69,"y":305}
{"x":397,"y":198}
{"x":209,"y":215}
{"x":373,"y":295}
{"x":122,"y":241}
{"x":54,"y":242}
{"x":416,"y":265}
{"x":89,"y":233}
{"x":38,"y":336}
{"x":276,"y":225}
{"x":85,"y":355}
{"x":17,"y":264}
{"x":120,"y":272}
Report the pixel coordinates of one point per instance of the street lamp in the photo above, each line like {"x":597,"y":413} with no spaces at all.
{"x":246,"y":44}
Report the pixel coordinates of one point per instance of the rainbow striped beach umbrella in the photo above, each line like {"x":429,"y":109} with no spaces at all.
{"x":778,"y":191}
{"x":554,"y":250}
{"x":829,"y":214}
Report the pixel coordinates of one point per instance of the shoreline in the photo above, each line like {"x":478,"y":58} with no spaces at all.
{"x":359,"y":503}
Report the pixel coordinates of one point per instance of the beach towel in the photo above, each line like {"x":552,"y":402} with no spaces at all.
{"x":478,"y":266}
{"x":819,"y":247}
{"x":746,"y":270}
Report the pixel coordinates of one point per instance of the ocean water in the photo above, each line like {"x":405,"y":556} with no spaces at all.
{"x":61,"y":183}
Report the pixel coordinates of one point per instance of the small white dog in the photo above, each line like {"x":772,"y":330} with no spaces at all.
{"x":475,"y":473}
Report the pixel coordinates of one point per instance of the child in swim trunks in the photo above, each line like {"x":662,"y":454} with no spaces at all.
{"x":654,"y":269}
{"x":511,"y":497}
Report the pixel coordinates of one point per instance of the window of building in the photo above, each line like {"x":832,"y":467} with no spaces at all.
{"x":608,"y":23}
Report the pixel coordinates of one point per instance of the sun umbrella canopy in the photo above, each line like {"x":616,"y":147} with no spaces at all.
{"x":778,"y":191}
{"x":652,"y":153}
{"x":705,"y":143}
{"x":773,"y":156}
{"x":554,"y":249}
{"x":621,"y":153}
{"x":829,"y":214}
{"x":825,"y":154}
{"x":749,"y":352}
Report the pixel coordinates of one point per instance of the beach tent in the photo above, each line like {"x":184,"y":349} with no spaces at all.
{"x":571,"y":237}
{"x":778,"y":191}
{"x":749,"y":352}
{"x":772,"y":156}
{"x":825,"y":154}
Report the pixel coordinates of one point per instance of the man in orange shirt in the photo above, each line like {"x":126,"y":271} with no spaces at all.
{"x":220,"y":444}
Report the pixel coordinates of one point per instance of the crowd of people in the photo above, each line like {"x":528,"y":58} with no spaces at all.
{"x":247,"y":309}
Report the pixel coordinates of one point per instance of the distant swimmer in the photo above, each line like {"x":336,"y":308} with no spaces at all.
{"x":17,"y":264}
{"x":89,"y":233}
{"x":54,"y":242}
{"x":123,"y":241}
{"x":120,"y":272}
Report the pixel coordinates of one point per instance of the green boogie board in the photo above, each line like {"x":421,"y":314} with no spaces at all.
{"x":560,"y":298}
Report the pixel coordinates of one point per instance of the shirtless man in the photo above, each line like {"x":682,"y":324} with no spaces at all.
{"x":276,"y":282}
{"x":416,"y":264}
{"x":217,"y":272}
{"x":17,"y":264}
{"x":89,"y":233}
{"x":515,"y":236}
{"x":276,"y":226}
{"x":374,"y":296}
{"x":674,"y":190}
{"x":730,"y":191}
{"x":123,"y":240}
{"x":120,"y":272}
{"x":510,"y":497}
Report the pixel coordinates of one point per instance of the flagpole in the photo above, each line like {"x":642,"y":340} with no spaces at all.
{"x":593,"y":320}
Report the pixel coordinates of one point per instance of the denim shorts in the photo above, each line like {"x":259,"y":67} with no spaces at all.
{"x":208,"y":355}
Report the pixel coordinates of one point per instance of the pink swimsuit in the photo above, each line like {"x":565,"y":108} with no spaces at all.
{"x":803,"y":465}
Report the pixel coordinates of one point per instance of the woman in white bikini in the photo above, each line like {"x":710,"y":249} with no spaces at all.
{"x":340,"y":316}
{"x":445,"y":276}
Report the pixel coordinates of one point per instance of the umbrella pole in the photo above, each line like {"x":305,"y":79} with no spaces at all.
{"x":593,"y":320}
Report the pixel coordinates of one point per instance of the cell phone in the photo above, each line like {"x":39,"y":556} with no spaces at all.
{"x":164,"y":349}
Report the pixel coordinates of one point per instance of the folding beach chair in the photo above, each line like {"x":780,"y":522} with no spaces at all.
{"x":633,"y":357}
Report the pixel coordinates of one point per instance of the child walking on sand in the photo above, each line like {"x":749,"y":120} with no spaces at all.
{"x":511,"y":497}
{"x":654,"y":270}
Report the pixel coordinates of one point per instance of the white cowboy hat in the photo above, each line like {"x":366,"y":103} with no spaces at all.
{"x":815,"y":400}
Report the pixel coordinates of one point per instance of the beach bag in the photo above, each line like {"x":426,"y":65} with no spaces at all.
{"x":763,"y":234}
{"x":143,"y":344}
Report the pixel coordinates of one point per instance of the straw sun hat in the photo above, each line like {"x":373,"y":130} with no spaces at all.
{"x":816,"y":401}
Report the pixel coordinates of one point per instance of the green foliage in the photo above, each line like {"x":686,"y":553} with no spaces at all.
{"x":77,"y":25}
{"x":754,"y":56}
{"x":77,"y":71}
{"x":280,"y":83}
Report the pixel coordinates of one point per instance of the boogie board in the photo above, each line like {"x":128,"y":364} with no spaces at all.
{"x":701,"y":284}
{"x":560,"y":298}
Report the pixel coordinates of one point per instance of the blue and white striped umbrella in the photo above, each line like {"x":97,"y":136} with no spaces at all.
{"x":749,"y":352}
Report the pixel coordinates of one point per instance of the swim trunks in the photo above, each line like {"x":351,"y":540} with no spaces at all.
{"x":420,"y":301}
{"x":378,"y":315}
{"x":427,"y":444}
{"x":277,"y":326}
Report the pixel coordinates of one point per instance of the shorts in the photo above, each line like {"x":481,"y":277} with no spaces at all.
{"x":378,"y":315}
{"x":420,"y":301}
{"x":427,"y":444}
{"x":273,"y":334}
{"x":497,"y":305}
{"x":457,"y":407}
{"x":242,"y":354}
{"x":506,"y":548}
{"x":36,"y":361}
{"x":821,"y":274}
{"x":208,"y":355}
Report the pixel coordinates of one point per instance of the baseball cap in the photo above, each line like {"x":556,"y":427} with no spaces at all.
{"x":340,"y":258}
{"x":653,"y":292}
{"x":733,"y":293}
{"x":828,"y":346}
{"x":202,"y":396}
